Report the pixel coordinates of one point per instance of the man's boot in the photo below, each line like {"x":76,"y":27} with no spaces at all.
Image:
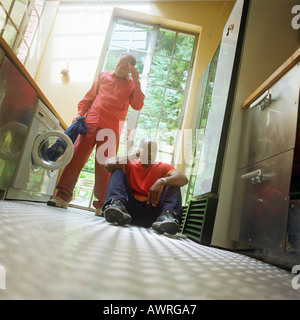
{"x":168,"y":222}
{"x":115,"y":211}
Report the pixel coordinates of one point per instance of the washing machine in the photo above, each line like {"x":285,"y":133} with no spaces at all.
{"x":36,"y":173}
{"x":17,"y":102}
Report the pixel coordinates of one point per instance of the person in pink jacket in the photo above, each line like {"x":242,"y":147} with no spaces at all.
{"x":105,"y":106}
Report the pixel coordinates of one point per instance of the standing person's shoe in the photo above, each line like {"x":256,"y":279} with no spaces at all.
{"x":115,"y":211}
{"x":168,"y":222}
{"x":58,"y":203}
{"x":99,"y":212}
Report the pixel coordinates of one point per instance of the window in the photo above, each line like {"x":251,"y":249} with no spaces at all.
{"x":200,"y":122}
{"x":19,"y":20}
{"x":164,"y":62}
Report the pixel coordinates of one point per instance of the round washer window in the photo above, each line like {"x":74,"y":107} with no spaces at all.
{"x":52,"y":150}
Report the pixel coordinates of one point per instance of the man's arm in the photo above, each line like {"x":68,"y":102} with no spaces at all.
{"x":85,"y":104}
{"x":137,"y":98}
{"x":118,"y":162}
{"x":175,"y":179}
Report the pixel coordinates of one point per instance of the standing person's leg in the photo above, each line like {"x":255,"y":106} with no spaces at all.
{"x":170,"y":211}
{"x":83,"y":147}
{"x":107,"y":147}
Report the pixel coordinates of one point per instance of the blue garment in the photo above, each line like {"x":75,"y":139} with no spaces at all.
{"x":59,"y":147}
{"x":142,"y":214}
{"x":76,"y":128}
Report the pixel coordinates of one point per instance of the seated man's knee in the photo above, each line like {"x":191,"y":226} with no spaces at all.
{"x":172,"y":190}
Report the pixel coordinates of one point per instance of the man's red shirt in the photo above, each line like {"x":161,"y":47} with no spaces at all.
{"x":141,"y":178}
{"x":108,"y":100}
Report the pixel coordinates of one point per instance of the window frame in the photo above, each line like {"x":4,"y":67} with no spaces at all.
{"x":20,"y":38}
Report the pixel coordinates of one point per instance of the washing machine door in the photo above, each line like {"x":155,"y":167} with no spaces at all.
{"x":52,"y":150}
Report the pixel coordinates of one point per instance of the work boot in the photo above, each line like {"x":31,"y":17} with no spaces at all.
{"x":168,"y":222}
{"x":115,"y":211}
{"x":58,"y":203}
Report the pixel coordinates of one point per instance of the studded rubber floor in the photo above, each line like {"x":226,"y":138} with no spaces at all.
{"x":51,"y":253}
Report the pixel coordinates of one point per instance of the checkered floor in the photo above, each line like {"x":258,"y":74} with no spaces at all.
{"x":50,"y":253}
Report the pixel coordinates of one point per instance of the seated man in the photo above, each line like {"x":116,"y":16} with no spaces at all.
{"x":143,"y":192}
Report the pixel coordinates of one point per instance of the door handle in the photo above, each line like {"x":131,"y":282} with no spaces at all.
{"x":256,"y":176}
{"x":263,"y":101}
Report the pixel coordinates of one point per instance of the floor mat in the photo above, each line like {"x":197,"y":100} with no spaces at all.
{"x":52,"y":253}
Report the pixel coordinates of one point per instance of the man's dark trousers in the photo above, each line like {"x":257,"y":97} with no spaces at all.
{"x":142,"y":214}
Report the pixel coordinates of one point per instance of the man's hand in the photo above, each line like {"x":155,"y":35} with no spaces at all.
{"x":138,"y":153}
{"x":134,"y":73}
{"x":75,"y":118}
{"x":174,"y":178}
{"x":155,"y":192}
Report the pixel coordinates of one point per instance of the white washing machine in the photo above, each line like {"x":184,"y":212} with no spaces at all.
{"x":35,"y":176}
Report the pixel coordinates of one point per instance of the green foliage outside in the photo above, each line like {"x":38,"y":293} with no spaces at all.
{"x":89,"y":166}
{"x":204,"y":106}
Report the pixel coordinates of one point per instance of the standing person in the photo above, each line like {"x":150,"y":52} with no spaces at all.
{"x":105,"y":106}
{"x":144,"y":192}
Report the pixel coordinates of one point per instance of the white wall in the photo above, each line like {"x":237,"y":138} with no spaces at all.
{"x":76,"y":40}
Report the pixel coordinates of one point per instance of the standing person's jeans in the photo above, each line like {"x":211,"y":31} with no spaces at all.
{"x":142,"y":214}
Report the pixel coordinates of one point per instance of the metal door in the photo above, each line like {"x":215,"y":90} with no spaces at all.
{"x":270,"y":124}
{"x":262,"y":201}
